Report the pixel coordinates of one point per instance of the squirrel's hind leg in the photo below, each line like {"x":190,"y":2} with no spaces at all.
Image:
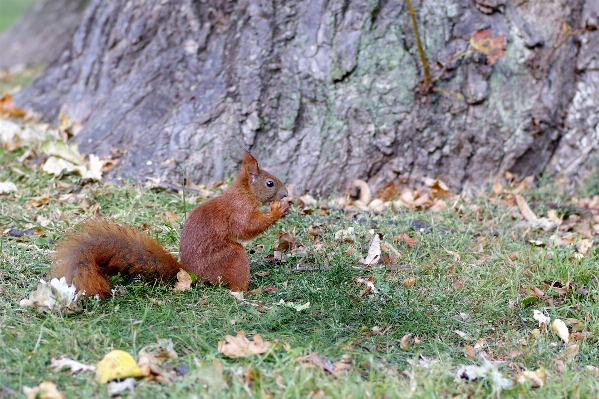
{"x":231,"y":267}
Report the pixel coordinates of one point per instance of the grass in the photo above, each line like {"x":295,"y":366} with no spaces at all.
{"x":465,"y":297}
{"x":11,"y":10}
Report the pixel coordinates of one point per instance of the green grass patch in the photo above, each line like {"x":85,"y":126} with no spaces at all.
{"x":473,"y":266}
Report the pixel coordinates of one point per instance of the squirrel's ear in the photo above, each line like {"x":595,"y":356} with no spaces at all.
{"x":250,"y":166}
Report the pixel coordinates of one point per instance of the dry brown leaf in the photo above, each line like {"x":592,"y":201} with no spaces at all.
{"x":525,"y":209}
{"x":405,"y":238}
{"x":240,"y":346}
{"x":404,"y":342}
{"x":497,"y":187}
{"x":171,"y":216}
{"x":315,"y":231}
{"x":8,"y":108}
{"x":537,"y":292}
{"x":469,"y":351}
{"x":387,"y":192}
{"x":438,"y":206}
{"x":493,"y":46}
{"x":456,"y":255}
{"x":537,"y":378}
{"x":153,"y":359}
{"x":183,"y":281}
{"x":570,"y":351}
{"x":374,"y":252}
{"x":45,"y":390}
{"x":409,"y":282}
{"x":438,"y":187}
{"x":369,"y":282}
{"x":560,"y":366}
{"x":286,"y":241}
{"x":478,"y":246}
{"x":315,"y":359}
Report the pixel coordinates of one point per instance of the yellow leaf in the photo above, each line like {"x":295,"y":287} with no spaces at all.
{"x":537,"y":378}
{"x":45,"y":390}
{"x":559,"y":327}
{"x":116,"y":365}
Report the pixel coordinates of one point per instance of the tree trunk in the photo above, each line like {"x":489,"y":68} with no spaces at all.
{"x":41,"y":33}
{"x":323,"y":92}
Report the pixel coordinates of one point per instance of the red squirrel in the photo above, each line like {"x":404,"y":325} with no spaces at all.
{"x":210,"y":242}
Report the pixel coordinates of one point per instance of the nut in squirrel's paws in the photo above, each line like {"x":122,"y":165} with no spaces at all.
{"x":281,"y":207}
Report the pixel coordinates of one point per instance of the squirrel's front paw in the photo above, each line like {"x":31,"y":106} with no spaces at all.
{"x":280,"y":207}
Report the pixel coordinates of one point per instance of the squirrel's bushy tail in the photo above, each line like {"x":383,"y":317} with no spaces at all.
{"x":103,"y":249}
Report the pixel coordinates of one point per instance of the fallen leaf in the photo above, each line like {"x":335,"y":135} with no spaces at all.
{"x":374,"y":252}
{"x":559,"y":327}
{"x":405,"y":238}
{"x":560,"y":366}
{"x":570,"y":351}
{"x":45,"y":390}
{"x":438,"y":187}
{"x":117,"y":364}
{"x":537,"y":378}
{"x":525,"y":209}
{"x":325,"y":364}
{"x":409,"y":282}
{"x":478,"y":246}
{"x":315,"y":231}
{"x":387,"y":192}
{"x":404,"y":342}
{"x":183,"y":281}
{"x":56,"y":295}
{"x":487,"y":370}
{"x":497,"y":187}
{"x":8,"y":109}
{"x":493,"y":46}
{"x":469,"y":351}
{"x":345,"y":234}
{"x":286,"y":241}
{"x":171,"y":216}
{"x":73,"y":365}
{"x":456,"y":255}
{"x":116,"y":387}
{"x":541,"y":319}
{"x":369,"y":282}
{"x":240,"y":346}
{"x":298,"y":307}
{"x":154,"y":358}
{"x":7,"y":187}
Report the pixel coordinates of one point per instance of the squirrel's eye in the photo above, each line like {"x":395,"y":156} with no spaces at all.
{"x":270,"y":183}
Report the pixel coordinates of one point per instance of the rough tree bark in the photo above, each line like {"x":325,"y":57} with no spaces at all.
{"x":323,"y":92}
{"x":41,"y":33}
